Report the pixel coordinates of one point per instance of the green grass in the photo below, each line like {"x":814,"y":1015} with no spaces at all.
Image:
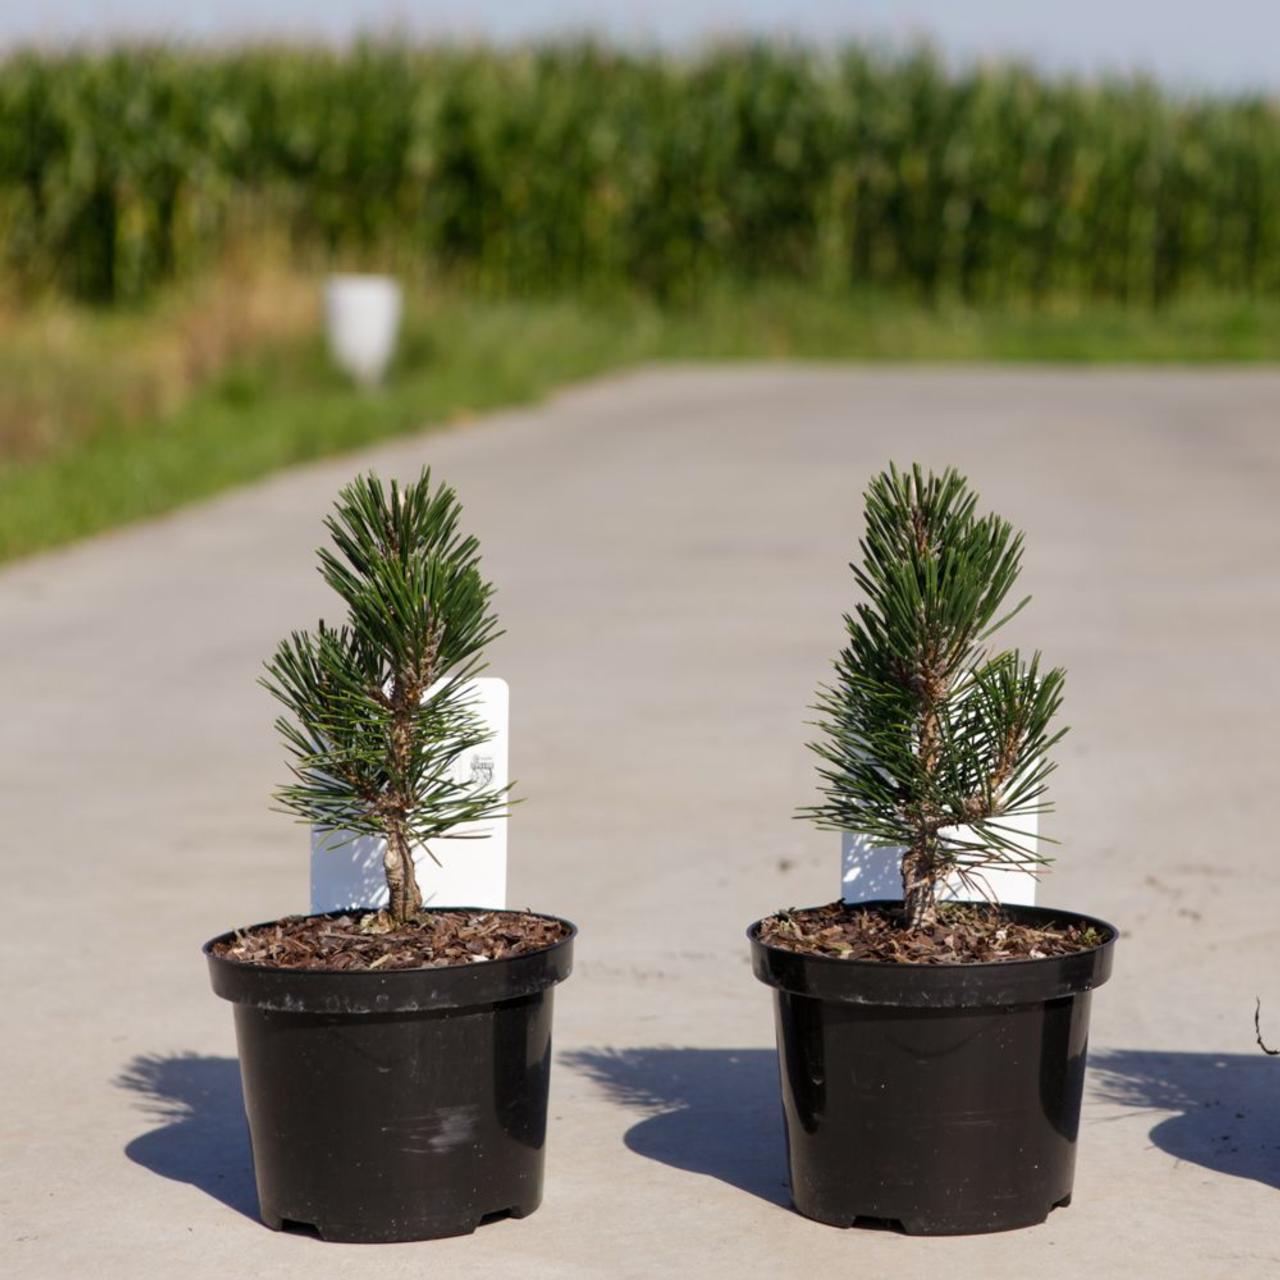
{"x":462,"y":356}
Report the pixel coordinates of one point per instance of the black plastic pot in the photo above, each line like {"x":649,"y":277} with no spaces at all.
{"x":404,"y":1105}
{"x":942,"y":1098}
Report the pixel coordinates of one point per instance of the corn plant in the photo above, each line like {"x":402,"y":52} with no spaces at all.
{"x":576,"y":166}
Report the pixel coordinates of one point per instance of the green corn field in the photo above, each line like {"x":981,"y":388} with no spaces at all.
{"x":577,"y":167}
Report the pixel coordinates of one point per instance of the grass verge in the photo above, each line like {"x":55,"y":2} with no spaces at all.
{"x":281,"y":403}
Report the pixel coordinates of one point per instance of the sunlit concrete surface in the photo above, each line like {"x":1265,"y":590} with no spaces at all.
{"x":670,"y":552}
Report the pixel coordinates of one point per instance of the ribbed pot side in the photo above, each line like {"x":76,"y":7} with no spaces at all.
{"x":403,"y":1105}
{"x":941,"y":1098}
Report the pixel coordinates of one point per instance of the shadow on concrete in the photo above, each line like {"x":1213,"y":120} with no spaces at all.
{"x":1228,"y":1119}
{"x":712,"y":1111}
{"x":203,"y":1138}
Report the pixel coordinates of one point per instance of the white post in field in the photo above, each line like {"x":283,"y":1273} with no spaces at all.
{"x":346,"y":870}
{"x":362,"y":320}
{"x":868,"y":873}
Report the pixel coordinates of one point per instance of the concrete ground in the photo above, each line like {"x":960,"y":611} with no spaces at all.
{"x":670,"y":553}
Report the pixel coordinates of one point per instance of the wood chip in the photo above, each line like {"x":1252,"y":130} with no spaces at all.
{"x":963,"y":934}
{"x":372,"y":940}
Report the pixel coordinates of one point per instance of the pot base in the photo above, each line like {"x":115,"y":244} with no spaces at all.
{"x":942,"y":1225}
{"x":399,"y":1233}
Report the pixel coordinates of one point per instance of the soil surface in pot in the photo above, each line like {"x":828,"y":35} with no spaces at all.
{"x":963,"y":934}
{"x":363,"y":940}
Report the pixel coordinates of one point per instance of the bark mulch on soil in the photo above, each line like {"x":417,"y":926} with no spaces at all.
{"x":362,"y":940}
{"x":963,"y":934}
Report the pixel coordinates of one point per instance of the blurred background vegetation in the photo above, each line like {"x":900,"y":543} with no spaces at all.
{"x":166,"y":214}
{"x":580,"y":168}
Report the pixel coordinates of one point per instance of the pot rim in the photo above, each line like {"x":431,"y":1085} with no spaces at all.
{"x":1112,"y":933}
{"x":207,"y":948}
{"x":363,"y":991}
{"x":985,"y":984}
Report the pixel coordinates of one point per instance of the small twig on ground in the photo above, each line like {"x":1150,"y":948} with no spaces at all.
{"x":1257,"y":1027}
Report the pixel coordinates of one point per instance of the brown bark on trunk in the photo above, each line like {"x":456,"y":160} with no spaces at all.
{"x":397,"y":861}
{"x":920,"y":862}
{"x":402,"y":883}
{"x":919,"y":890}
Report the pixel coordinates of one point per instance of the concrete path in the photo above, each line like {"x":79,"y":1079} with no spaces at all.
{"x":670,"y":551}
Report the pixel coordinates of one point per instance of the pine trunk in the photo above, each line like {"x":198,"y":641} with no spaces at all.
{"x":402,"y":884}
{"x":919,"y":890}
{"x":920,"y":863}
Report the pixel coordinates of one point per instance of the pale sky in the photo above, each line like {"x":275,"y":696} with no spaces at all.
{"x":1232,"y":44}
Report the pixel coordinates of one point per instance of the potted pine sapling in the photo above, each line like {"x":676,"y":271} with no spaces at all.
{"x":395,"y":1062}
{"x":932,"y":1049}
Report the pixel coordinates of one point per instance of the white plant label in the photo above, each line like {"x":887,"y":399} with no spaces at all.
{"x":362,"y":318}
{"x":346,"y":870}
{"x":868,"y":873}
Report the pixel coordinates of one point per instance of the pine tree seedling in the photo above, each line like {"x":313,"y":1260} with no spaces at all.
{"x":337,"y":1012}
{"x":379,"y":710}
{"x":935,"y":740}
